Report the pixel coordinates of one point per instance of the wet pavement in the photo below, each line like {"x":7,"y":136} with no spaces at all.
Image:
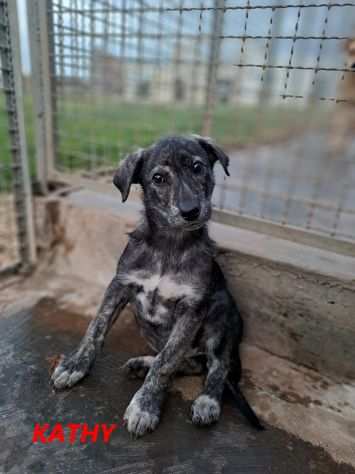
{"x":33,"y":337}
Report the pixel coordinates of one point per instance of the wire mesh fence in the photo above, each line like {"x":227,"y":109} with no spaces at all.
{"x":272,"y":82}
{"x":17,"y":247}
{"x":9,"y":254}
{"x":8,"y":243}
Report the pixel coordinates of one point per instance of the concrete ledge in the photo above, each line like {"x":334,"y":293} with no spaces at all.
{"x":233,"y":238}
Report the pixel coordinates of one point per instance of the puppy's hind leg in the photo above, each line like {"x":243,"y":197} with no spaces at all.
{"x":206,"y":409}
{"x":77,"y":365}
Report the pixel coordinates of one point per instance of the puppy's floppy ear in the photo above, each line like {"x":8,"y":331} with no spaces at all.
{"x":214,"y":152}
{"x":128,"y":172}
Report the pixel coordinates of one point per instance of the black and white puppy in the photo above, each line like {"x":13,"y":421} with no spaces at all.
{"x":168,"y":273}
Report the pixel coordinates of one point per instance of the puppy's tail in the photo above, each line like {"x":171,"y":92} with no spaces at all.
{"x":243,"y":405}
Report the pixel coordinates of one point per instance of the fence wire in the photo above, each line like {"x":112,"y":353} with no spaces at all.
{"x":17,"y":246}
{"x":272,"y":82}
{"x":9,"y":252}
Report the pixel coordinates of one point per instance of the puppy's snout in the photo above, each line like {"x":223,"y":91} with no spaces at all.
{"x":188,"y":203}
{"x":190,"y":211}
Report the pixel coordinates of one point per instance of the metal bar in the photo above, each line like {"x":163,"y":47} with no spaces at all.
{"x":226,"y":8}
{"x":197,"y":61}
{"x":212,"y":71}
{"x":294,"y":234}
{"x":53,"y":84}
{"x":41,"y":67}
{"x":12,"y":77}
{"x":191,"y":36}
{"x":298,"y":67}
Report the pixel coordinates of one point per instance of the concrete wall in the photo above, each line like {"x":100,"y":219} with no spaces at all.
{"x":297,"y":314}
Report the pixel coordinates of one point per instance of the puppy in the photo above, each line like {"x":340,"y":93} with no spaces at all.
{"x":169,"y":275}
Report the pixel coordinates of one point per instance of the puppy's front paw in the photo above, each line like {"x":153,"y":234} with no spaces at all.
{"x":141,"y":417}
{"x":205,"y":410}
{"x":71,"y":369}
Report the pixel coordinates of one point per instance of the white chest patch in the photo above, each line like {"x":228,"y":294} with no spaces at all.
{"x":167,"y":287}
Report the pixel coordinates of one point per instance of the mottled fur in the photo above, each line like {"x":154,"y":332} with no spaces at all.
{"x":170,"y":277}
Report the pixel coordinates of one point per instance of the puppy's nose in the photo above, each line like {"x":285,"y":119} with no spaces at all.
{"x":190,"y":212}
{"x":352,"y":66}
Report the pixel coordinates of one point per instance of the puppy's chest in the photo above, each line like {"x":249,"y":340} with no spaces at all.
{"x":156,"y":295}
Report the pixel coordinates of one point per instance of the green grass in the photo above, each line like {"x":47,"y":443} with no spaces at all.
{"x":91,"y":134}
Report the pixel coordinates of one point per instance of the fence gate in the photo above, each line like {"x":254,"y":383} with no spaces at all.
{"x":17,"y":246}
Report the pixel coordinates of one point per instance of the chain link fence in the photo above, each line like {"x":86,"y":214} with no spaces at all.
{"x":17,"y":246}
{"x":273,"y":82}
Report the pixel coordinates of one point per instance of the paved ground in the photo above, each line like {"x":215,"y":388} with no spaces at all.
{"x":295,"y":182}
{"x":32,"y":336}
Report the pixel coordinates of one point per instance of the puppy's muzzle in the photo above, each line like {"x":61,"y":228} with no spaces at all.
{"x":190,"y":212}
{"x":188,"y":204}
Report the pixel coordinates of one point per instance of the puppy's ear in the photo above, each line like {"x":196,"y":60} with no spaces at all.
{"x":214,"y":152}
{"x":128,"y":172}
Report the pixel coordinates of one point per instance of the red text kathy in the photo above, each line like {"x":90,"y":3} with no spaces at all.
{"x":72,"y":432}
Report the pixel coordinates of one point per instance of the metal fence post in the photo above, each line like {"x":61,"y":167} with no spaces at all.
{"x":13,"y":87}
{"x":213,"y":62}
{"x":39,"y":23}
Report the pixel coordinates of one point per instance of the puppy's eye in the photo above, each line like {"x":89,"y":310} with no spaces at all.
{"x":159,"y":179}
{"x":197,"y":167}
